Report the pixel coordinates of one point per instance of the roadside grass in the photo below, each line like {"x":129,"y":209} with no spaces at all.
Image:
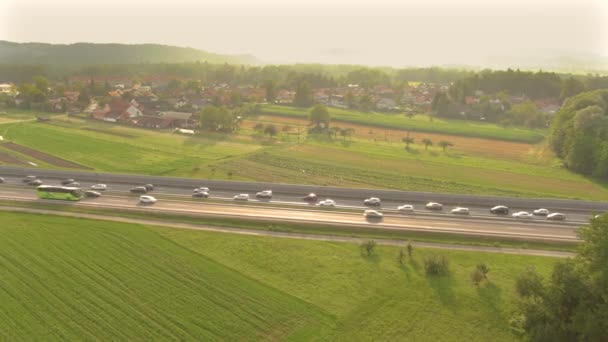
{"x":67,"y":278}
{"x":13,"y":114}
{"x":305,"y":228}
{"x":418,"y":123}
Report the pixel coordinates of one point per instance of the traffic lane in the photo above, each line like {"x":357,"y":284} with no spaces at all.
{"x":288,"y":198}
{"x":514,"y":228}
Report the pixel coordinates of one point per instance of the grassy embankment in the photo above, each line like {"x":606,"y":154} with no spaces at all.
{"x":67,"y":278}
{"x":473,"y":165}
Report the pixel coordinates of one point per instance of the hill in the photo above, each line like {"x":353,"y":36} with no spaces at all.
{"x":79,"y":279}
{"x":90,"y":53}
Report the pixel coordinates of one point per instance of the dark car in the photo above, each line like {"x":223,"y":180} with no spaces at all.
{"x":139,"y":190}
{"x":200,"y":194}
{"x":500,"y":210}
{"x":311,"y":197}
{"x":149,"y":187}
{"x":92,"y":194}
{"x":28,"y":179}
{"x":35,"y":182}
{"x":67,"y":181}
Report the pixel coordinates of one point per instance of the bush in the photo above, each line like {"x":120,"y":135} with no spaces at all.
{"x":368,"y":246}
{"x":436,"y":265}
{"x":477,"y":276}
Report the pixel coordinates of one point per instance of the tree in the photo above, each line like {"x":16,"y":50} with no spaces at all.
{"x":368,"y":247}
{"x":571,"y":305}
{"x":271,"y":90}
{"x":409,"y":115}
{"x":570,"y":87}
{"x":335,"y":130}
{"x":218,"y":119}
{"x":445,"y":144}
{"x":440,"y":104}
{"x":410,"y":249}
{"x":427,"y":142}
{"x":436,"y":265}
{"x":526,"y":114}
{"x":407,"y":140}
{"x":271,"y":130}
{"x":303,"y":97}
{"x":319,"y":116}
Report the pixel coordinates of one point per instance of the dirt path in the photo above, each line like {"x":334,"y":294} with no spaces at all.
{"x":253,"y":232}
{"x":6,"y":158}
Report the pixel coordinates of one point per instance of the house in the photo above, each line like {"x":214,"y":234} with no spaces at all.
{"x":133,"y":112}
{"x":337,"y":101}
{"x":153,"y":121}
{"x":178,"y":119}
{"x":386,"y":104}
{"x":471,"y":100}
{"x":71,"y":96}
{"x":6,"y":88}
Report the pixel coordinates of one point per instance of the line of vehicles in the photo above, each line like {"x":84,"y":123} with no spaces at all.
{"x":70,"y":190}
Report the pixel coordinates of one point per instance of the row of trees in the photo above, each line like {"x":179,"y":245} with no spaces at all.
{"x":579,"y":133}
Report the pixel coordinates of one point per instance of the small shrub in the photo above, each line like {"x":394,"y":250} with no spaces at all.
{"x":436,"y":265}
{"x":368,"y":246}
{"x":484,"y":270}
{"x":477,"y":276}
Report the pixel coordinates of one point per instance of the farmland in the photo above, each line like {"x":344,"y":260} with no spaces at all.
{"x":67,"y":278}
{"x":371,"y":157}
{"x":418,"y":123}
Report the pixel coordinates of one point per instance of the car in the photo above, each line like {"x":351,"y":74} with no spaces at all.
{"x":500,"y":210}
{"x":73,"y":184}
{"x":92,"y":194}
{"x":28,"y":179}
{"x":373,"y":214}
{"x":35,"y":182}
{"x":556,"y":217}
{"x":139,"y":190}
{"x":200,"y":194}
{"x":145,"y":199}
{"x":149,"y":187}
{"x":241,"y":197}
{"x":541,"y":212}
{"x":597,"y":216}
{"x":201,"y":189}
{"x":372,"y":201}
{"x":99,"y":187}
{"x":434,"y":206}
{"x":311,"y":197}
{"x":522,"y":215}
{"x":67,"y":181}
{"x":1,"y":179}
{"x":460,"y":211}
{"x":264,"y":194}
{"x":327,"y":203}
{"x":406,"y":208}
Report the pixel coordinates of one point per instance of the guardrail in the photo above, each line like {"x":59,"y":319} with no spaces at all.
{"x":325,"y":191}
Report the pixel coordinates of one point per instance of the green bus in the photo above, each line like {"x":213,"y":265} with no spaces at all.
{"x":65,"y":193}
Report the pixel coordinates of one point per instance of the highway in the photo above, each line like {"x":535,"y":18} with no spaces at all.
{"x":178,"y":201}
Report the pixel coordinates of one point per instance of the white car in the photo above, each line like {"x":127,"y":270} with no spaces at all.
{"x":372,"y":201}
{"x":327,"y":203}
{"x":460,"y":211}
{"x":145,"y":199}
{"x":522,"y":215}
{"x":241,"y":197}
{"x":99,"y":187}
{"x":556,"y":217}
{"x":406,"y":208}
{"x":372,"y":214}
{"x":264,"y":194}
{"x":201,"y":189}
{"x":434,"y":206}
{"x":541,"y":212}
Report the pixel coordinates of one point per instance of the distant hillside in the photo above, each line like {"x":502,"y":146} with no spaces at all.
{"x":89,"y":53}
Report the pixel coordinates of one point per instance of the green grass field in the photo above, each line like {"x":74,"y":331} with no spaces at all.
{"x":419,"y":123}
{"x":473,"y":165}
{"x":68,"y":279}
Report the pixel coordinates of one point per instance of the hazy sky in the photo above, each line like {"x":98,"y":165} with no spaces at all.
{"x":377,"y":32}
